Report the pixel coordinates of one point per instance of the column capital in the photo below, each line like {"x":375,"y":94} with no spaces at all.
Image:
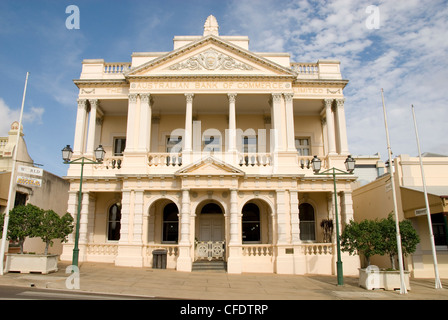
{"x":340,"y":103}
{"x":328,"y":103}
{"x":133,"y":97}
{"x":189,"y":97}
{"x":94,"y":102}
{"x":82,"y":103}
{"x":232,"y":96}
{"x":288,"y":96}
{"x":145,"y":97}
{"x":276,"y":97}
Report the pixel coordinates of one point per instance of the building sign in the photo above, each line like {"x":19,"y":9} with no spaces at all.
{"x":28,"y":181}
{"x":211,"y":85}
{"x":30,"y":170}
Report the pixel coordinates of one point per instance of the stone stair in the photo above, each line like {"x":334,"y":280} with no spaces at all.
{"x":210,"y":266}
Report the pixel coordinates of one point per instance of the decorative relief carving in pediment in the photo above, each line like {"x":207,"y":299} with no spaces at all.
{"x":211,"y":60}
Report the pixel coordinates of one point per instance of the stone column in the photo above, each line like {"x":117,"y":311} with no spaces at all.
{"x":80,"y":130}
{"x":137,"y":237}
{"x":125,"y":212}
{"x":346,"y":207}
{"x":281,"y":217}
{"x":232,"y":122}
{"x":295,"y":223}
{"x":234,"y":263}
{"x":330,"y":126}
{"x":342,"y":128}
{"x":289,"y":122}
{"x":276,"y":116}
{"x":92,"y":127}
{"x":145,"y":123}
{"x":130,"y":135}
{"x":188,"y":123}
{"x":184,"y":261}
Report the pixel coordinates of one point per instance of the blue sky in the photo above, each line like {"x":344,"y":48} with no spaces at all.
{"x":407,"y":56}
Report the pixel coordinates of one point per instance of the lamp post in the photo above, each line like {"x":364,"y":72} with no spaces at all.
{"x":67,"y":153}
{"x":350,"y":167}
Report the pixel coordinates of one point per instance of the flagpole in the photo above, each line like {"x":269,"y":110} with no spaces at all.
{"x":403,"y":289}
{"x":11,"y":183}
{"x":438,"y":284}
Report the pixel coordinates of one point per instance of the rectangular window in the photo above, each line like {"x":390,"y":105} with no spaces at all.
{"x":303,"y":146}
{"x":119,"y":146}
{"x":212,"y":143}
{"x":439,"y":229}
{"x":250,"y":144}
{"x":174,"y":144}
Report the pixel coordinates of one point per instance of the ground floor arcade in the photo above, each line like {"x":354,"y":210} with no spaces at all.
{"x":276,"y":230}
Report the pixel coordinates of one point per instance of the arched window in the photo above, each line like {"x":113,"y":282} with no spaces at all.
{"x":170,"y":223}
{"x":251,"y":223}
{"x":307,"y":223}
{"x":114,"y":223}
{"x":211,"y":208}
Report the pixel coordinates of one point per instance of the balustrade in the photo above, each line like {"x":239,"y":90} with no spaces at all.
{"x":317,"y":248}
{"x":259,"y":250}
{"x":102,"y":249}
{"x":172,"y":250}
{"x":117,"y":67}
{"x":255,"y":159}
{"x":165,"y":159}
{"x":305,"y":69}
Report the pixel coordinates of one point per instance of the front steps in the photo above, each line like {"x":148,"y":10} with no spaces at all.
{"x":210,"y":266}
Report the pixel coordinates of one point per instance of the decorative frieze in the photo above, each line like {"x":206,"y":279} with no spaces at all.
{"x":211,"y":60}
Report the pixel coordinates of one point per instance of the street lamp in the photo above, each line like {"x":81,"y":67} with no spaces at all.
{"x":350,"y":167}
{"x":67,"y":154}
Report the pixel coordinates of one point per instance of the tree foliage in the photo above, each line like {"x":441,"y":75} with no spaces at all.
{"x":363,"y":237}
{"x":52,"y":226}
{"x":28,"y":221}
{"x":371,"y":237}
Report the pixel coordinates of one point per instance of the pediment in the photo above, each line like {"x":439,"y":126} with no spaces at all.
{"x":210,"y":166}
{"x":210,"y":56}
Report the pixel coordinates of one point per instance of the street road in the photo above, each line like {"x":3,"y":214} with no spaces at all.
{"x":23,"y":293}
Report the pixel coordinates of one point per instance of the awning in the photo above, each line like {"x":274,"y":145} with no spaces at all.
{"x":413,"y":200}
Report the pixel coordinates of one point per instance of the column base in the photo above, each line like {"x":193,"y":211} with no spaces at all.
{"x":184,"y":261}
{"x":129,"y":256}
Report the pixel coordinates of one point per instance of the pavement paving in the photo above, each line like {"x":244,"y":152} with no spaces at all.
{"x":170,"y":284}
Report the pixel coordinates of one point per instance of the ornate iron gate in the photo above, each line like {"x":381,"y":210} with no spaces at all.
{"x":210,"y":250}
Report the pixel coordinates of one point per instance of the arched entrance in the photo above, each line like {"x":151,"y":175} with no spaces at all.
{"x":210,"y":232}
{"x":211,"y":223}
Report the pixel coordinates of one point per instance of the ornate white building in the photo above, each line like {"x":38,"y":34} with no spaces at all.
{"x":208,"y":151}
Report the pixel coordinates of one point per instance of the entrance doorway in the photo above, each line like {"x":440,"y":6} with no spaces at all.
{"x":210,"y":244}
{"x":211,"y":224}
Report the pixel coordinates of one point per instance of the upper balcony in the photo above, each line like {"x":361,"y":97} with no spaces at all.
{"x":98,"y":69}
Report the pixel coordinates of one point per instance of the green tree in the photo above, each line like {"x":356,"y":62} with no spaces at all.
{"x":409,"y":237}
{"x":23,"y":223}
{"x":52,"y":226}
{"x":364,"y":238}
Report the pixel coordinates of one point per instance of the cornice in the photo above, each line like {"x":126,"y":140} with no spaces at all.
{"x":321,"y":82}
{"x":100,"y":82}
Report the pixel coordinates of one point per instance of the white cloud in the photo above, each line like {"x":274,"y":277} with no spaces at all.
{"x":33,"y":115}
{"x":407,"y":56}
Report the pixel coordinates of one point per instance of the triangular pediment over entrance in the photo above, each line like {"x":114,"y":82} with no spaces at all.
{"x":210,"y":166}
{"x":210,"y":56}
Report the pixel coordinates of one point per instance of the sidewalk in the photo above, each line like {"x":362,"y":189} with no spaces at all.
{"x":109,"y":279}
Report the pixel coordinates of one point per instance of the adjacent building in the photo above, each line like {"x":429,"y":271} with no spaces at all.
{"x":46,"y":190}
{"x":208,"y":153}
{"x":374,"y":200}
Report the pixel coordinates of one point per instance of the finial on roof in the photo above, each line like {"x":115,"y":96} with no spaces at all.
{"x":211,"y":26}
